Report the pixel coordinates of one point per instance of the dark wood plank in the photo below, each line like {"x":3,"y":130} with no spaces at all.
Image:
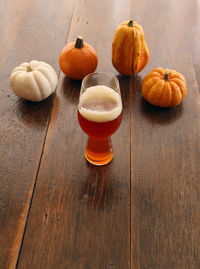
{"x":80,"y":214}
{"x":166,"y":149}
{"x":29,"y":30}
{"x":191,"y":26}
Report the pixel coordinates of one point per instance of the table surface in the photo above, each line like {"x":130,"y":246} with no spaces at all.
{"x":143,"y":209}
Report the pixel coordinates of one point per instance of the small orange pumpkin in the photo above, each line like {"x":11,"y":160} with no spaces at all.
{"x":78,"y":59}
{"x":164,"y":87}
{"x":130,"y":53}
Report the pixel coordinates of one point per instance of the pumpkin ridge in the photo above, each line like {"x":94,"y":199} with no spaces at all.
{"x":133,"y":53}
{"x":175,"y":88}
{"x":146,"y":54}
{"x":42,"y":96}
{"x":22,"y":65}
{"x":19,"y":68}
{"x":155,"y":85}
{"x":124,"y":23}
{"x":141,"y":58}
{"x":137,"y":52}
{"x":179,"y":76}
{"x":147,"y":84}
{"x":178,"y":79}
{"x":150,"y":77}
{"x":127,"y":59}
{"x":171,"y":94}
{"x":138,"y":27}
{"x":155,"y":73}
{"x":181,"y":86}
{"x":18,"y":77}
{"x":117,"y":47}
{"x":143,"y":55}
{"x":19,"y":71}
{"x":162,"y":94}
{"x":160,"y":71}
{"x":32,"y":74}
{"x":122,"y":57}
{"x":45,"y":65}
{"x":47,"y":77}
{"x":13,"y":78}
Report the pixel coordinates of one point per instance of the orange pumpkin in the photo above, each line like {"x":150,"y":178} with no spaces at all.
{"x":78,"y":59}
{"x":130,"y":53}
{"x":164,"y":87}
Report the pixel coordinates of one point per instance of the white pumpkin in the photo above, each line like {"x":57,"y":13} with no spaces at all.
{"x":33,"y":81}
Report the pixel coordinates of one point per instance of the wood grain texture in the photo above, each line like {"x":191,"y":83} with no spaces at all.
{"x":29,"y":30}
{"x":166,"y":150}
{"x":142,"y":210}
{"x":80,"y":214}
{"x":191,"y":31}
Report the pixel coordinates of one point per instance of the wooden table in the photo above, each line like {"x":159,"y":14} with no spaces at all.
{"x":143,"y":209}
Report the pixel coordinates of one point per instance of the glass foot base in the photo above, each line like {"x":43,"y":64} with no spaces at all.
{"x":100,"y":161}
{"x":99,"y":152}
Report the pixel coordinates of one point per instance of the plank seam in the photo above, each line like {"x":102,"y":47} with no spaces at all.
{"x":131,"y":106}
{"x":43,"y":146}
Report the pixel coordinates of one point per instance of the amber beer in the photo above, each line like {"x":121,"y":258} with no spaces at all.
{"x":99,"y":115}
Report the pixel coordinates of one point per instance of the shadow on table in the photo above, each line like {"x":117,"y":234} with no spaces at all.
{"x":97,"y":188}
{"x":125,"y":87}
{"x":34,"y":113}
{"x":71,"y":89}
{"x":159,"y":115}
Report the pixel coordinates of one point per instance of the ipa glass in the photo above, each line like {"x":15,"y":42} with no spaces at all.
{"x":99,"y":115}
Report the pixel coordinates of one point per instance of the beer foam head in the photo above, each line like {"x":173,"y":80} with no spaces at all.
{"x":100,"y":104}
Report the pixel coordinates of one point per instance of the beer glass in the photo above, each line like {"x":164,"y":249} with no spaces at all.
{"x":99,"y":115}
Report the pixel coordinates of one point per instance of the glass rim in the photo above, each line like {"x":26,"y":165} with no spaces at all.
{"x":101,"y":73}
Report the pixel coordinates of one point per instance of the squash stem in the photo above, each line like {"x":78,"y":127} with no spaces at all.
{"x":166,"y":76}
{"x":130,"y":24}
{"x":29,"y":69}
{"x":79,"y":42}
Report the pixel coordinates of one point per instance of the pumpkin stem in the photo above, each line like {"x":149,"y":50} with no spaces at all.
{"x":79,"y":42}
{"x":166,"y":76}
{"x":130,"y":24}
{"x":29,"y":69}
